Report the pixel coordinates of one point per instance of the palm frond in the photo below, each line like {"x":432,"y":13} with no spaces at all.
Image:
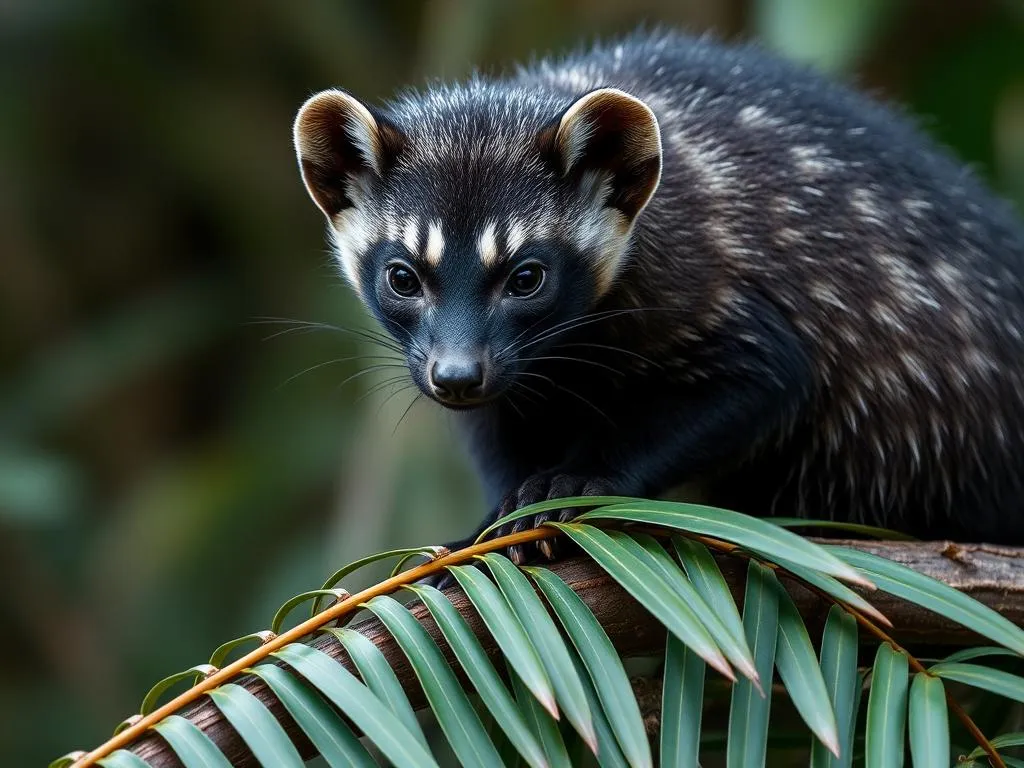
{"x":598,"y":657}
{"x":798,"y":668}
{"x":929,"y":721}
{"x":542,"y":724}
{"x":455,"y":714}
{"x":941,"y":598}
{"x":555,"y":655}
{"x":481,"y":673}
{"x":378,"y":676}
{"x":190,"y":744}
{"x":322,"y":725}
{"x":510,"y":634}
{"x":682,"y":701}
{"x":565,"y":697}
{"x":387,"y":732}
{"x":260,"y":730}
{"x":838,"y":661}
{"x":649,"y":588}
{"x":887,"y":708}
{"x":749,"y":708}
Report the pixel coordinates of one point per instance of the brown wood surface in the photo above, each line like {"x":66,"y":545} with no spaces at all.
{"x":991,"y":574}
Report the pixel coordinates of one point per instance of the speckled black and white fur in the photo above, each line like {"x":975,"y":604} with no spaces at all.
{"x":752,"y":280}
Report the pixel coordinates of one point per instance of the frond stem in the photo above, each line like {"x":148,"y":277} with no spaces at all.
{"x":307,"y":627}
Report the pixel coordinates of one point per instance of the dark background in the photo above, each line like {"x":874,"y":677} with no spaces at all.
{"x":160,"y":490}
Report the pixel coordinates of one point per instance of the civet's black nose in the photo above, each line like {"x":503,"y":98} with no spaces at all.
{"x":457,"y":380}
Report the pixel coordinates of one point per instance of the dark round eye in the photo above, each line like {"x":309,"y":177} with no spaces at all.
{"x":525,"y":281}
{"x":403,"y":281}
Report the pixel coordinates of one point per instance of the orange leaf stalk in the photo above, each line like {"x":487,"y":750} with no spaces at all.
{"x":223,"y":675}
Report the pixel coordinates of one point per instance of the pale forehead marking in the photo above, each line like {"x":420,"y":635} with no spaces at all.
{"x":411,"y":235}
{"x":392,"y":226}
{"x":516,"y":236}
{"x":487,"y":246}
{"x":435,"y":244}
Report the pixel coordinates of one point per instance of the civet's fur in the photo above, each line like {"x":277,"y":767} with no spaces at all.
{"x":821,"y":312}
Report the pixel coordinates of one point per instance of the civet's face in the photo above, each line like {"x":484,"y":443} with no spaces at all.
{"x":476,"y":235}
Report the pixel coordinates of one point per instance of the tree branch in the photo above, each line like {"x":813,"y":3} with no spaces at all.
{"x":990,"y":574}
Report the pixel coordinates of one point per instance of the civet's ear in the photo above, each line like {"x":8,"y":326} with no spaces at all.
{"x":338,"y":140}
{"x":608,"y":132}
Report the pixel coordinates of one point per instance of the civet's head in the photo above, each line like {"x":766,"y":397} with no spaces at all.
{"x":474,"y":220}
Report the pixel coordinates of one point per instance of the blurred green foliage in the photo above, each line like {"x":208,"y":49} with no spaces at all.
{"x":160,"y":491}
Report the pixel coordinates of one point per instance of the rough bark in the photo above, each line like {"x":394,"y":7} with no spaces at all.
{"x":993,"y":575}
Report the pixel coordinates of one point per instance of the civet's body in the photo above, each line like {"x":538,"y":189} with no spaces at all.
{"x":668,"y":261}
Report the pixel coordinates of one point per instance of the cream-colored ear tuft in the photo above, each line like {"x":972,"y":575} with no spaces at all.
{"x":337,"y":138}
{"x":608,"y":132}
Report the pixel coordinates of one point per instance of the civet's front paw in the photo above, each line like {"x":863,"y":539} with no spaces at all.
{"x":542,"y":487}
{"x":539,"y":487}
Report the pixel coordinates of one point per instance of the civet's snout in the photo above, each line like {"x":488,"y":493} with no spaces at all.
{"x":457,"y":378}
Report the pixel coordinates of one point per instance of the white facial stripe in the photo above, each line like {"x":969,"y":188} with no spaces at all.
{"x":487,"y":246}
{"x":352,"y":235}
{"x":411,"y":235}
{"x":516,"y":236}
{"x":435,"y":244}
{"x":391,"y":226}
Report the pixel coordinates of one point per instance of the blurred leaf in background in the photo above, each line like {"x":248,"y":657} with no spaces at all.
{"x":160,"y":490}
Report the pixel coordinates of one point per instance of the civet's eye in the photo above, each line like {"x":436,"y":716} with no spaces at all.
{"x":403,"y":281}
{"x":525,"y":281}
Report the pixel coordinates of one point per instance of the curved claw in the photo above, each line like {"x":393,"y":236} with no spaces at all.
{"x":547,"y":548}
{"x":517,"y":554}
{"x":542,"y":487}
